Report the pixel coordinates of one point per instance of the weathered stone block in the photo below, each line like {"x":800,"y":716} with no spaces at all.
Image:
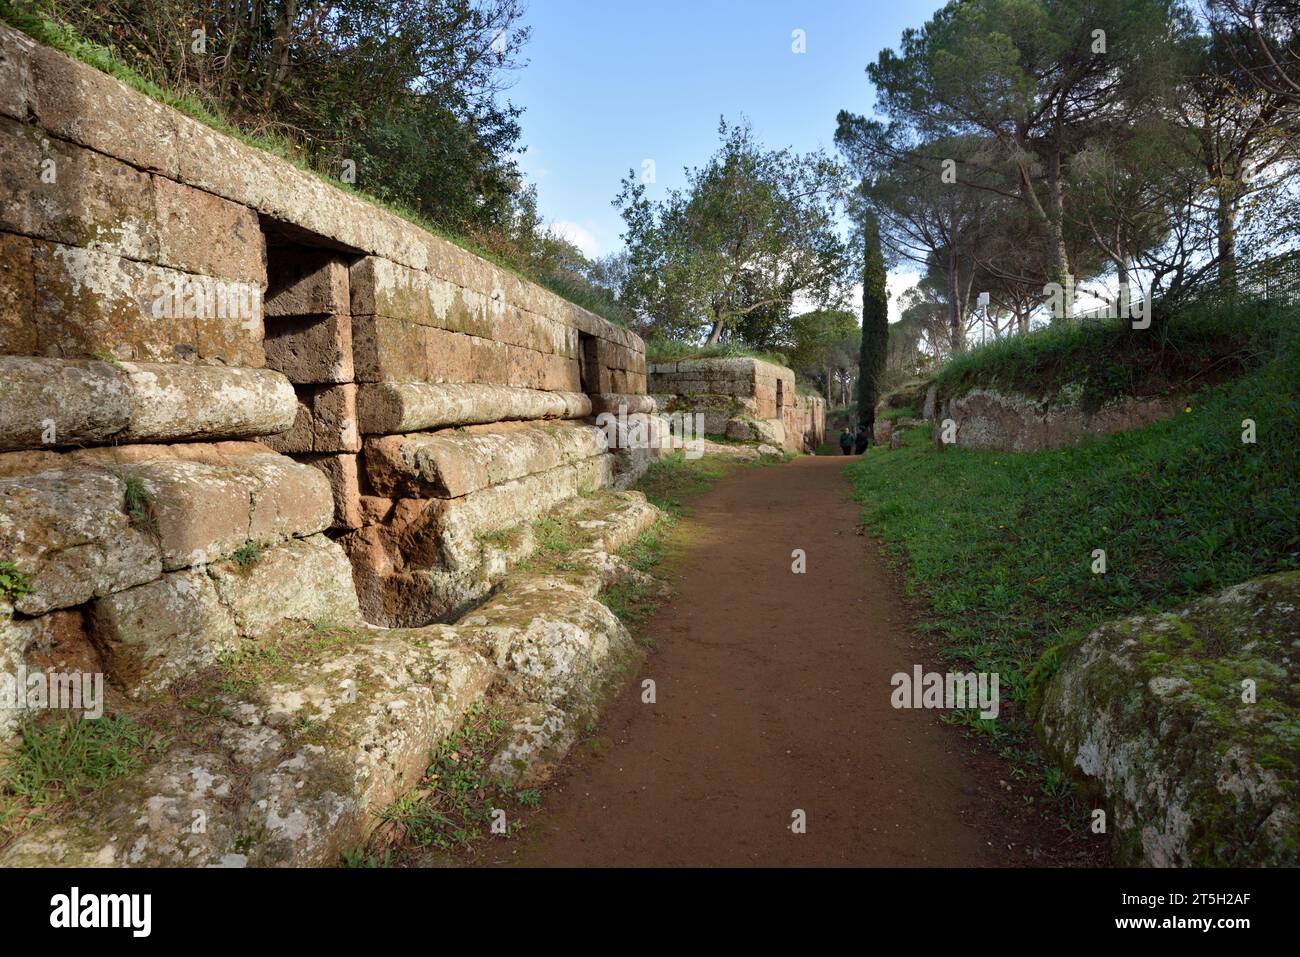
{"x":451,"y":464}
{"x":202,"y":233}
{"x":59,"y":192}
{"x":205,"y":510}
{"x":344,"y":473}
{"x":67,"y":532}
{"x":389,"y":350}
{"x":383,"y":702}
{"x":92,"y":303}
{"x":308,"y":283}
{"x":82,"y":104}
{"x":395,"y":407}
{"x":15,"y":71}
{"x":1149,"y":712}
{"x":326,"y":421}
{"x":58,"y":402}
{"x":159,"y":632}
{"x":17,"y":296}
{"x":301,"y":581}
{"x":170,"y":402}
{"x":50,"y":402}
{"x":310,"y":349}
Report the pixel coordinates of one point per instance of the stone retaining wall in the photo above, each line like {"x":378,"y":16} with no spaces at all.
{"x":741,"y":398}
{"x":161,"y":282}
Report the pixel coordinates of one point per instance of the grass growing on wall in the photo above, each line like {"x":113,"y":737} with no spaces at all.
{"x":1001,"y":544}
{"x":63,"y":38}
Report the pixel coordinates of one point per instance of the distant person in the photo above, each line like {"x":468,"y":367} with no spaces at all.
{"x":846,"y":441}
{"x":862,"y":441}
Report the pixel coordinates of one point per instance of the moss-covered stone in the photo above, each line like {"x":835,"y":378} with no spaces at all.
{"x":1187,"y":726}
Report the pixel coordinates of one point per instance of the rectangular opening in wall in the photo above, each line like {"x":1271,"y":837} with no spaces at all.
{"x":589,"y":362}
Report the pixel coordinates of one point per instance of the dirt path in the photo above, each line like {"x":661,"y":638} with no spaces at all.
{"x":773,"y":695}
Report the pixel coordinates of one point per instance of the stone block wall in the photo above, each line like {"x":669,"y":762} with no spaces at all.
{"x":233,"y":396}
{"x":741,"y":398}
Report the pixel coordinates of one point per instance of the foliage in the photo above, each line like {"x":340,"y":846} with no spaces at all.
{"x":1207,"y":341}
{"x":13,"y":583}
{"x":752,"y":229}
{"x":68,"y":757}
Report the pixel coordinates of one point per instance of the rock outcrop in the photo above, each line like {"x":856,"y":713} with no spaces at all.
{"x":1185,"y":727}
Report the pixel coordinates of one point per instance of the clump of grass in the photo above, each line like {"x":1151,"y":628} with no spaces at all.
{"x":248,"y":554}
{"x":554,"y":537}
{"x":138,"y":502}
{"x":13,"y":583}
{"x":67,"y":758}
{"x":452,"y":808}
{"x":669,"y":482}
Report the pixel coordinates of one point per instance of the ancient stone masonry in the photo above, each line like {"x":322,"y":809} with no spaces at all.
{"x":742,"y":398}
{"x":238,"y":404}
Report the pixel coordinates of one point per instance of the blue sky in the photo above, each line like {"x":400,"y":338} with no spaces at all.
{"x":611,"y":83}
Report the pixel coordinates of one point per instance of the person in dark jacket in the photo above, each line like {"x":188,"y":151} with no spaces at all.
{"x":862,"y":441}
{"x":846,"y":441}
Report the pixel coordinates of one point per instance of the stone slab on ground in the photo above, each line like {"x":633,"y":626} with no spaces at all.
{"x":288,"y":774}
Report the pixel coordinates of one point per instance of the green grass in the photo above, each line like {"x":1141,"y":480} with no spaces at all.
{"x":65,"y":39}
{"x":139,"y":504}
{"x":248,"y":554}
{"x":70,"y":757}
{"x":13,"y":583}
{"x":452,"y":808}
{"x":1000,"y":544}
{"x":674,"y":479}
{"x":1094,"y":362}
{"x":674,"y":350}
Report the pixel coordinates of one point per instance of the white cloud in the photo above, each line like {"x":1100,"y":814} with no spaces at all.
{"x":580,"y":236}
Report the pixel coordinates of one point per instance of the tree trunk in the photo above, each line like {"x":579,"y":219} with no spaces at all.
{"x":715,"y":334}
{"x":1227,"y":229}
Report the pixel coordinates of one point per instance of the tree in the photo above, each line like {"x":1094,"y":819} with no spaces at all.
{"x":875,"y":324}
{"x":1036,"y":79}
{"x":752,"y":229}
{"x":403,"y":90}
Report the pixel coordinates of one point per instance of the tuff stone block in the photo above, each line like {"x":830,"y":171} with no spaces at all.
{"x":92,"y":303}
{"x":202,"y":233}
{"x":56,"y":191}
{"x":310,"y":349}
{"x":68,"y":533}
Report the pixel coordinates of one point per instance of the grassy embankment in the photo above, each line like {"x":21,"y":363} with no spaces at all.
{"x":1001,"y":545}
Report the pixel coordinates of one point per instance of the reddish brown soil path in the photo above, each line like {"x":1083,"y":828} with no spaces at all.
{"x":773,"y":694}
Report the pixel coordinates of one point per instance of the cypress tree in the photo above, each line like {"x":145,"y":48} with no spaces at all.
{"x":875,"y":323}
